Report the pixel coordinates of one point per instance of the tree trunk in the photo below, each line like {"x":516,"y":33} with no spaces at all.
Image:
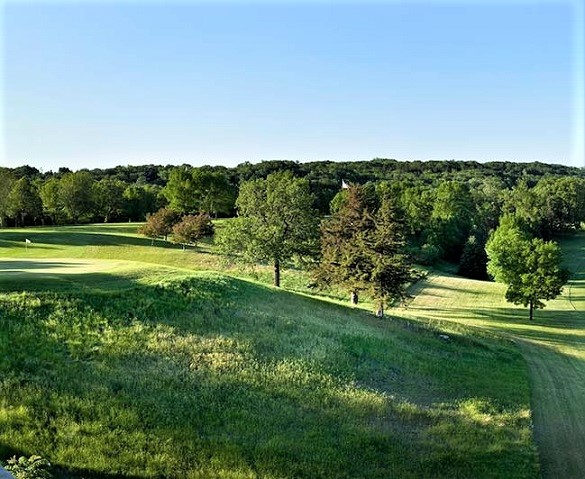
{"x":354,"y":297}
{"x":277,"y":273}
{"x":531,"y":309}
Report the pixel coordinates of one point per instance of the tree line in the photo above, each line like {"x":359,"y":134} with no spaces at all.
{"x":364,"y":239}
{"x":132,"y":192}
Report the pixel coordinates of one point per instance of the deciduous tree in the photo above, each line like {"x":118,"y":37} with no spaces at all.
{"x":192,"y":228}
{"x":531,"y":267}
{"x":160,"y":224}
{"x":24,"y":201}
{"x":276,"y":222}
{"x":75,"y":194}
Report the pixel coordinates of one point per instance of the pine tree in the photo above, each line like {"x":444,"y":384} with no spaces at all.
{"x":362,"y":250}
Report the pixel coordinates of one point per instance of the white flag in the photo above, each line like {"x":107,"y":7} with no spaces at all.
{"x":27,"y":241}
{"x":344,"y":185}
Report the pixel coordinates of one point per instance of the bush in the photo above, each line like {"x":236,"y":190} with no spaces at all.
{"x":159,"y":224}
{"x":192,"y":228}
{"x":34,"y":467}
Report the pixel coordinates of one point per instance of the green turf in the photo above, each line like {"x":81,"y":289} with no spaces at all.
{"x":137,"y":369}
{"x":553,"y":345}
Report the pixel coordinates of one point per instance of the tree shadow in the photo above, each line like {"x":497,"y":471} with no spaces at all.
{"x":72,"y":238}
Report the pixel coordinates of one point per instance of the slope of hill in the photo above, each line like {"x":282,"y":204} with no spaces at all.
{"x":143,"y":371}
{"x":553,"y":345}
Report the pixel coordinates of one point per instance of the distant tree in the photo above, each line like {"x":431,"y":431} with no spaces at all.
{"x":451,"y":218}
{"x":213,"y":191}
{"x":276,"y":222}
{"x":531,"y":268}
{"x":192,"y":228}
{"x":199,"y":190}
{"x":6,"y":183}
{"x":75,"y":194}
{"x":49,"y":193}
{"x":160,"y":224}
{"x":364,"y":250}
{"x":108,"y":197}
{"x":473,"y":263}
{"x":180,"y":190}
{"x":488,"y":196}
{"x":24,"y":201}
{"x":142,"y":200}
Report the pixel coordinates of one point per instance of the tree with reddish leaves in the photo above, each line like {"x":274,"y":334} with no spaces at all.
{"x":160,"y":224}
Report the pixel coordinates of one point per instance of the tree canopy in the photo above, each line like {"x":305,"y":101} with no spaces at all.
{"x":363,"y":249}
{"x":531,"y":267}
{"x":276,"y":222}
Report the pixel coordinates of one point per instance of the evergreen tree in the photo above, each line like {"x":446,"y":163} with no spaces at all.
{"x":363,"y":250}
{"x":473,"y":261}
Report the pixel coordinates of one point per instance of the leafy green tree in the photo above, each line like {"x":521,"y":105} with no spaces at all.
{"x":75,"y":194}
{"x":364,"y":250}
{"x":139,"y":201}
{"x":531,"y":268}
{"x":180,"y":190}
{"x":108,"y":197}
{"x":49,"y":193}
{"x":213,"y":192}
{"x":192,"y":228}
{"x":24,"y":201}
{"x":451,"y":218}
{"x":276,"y":222}
{"x":6,"y":183}
{"x":199,"y":190}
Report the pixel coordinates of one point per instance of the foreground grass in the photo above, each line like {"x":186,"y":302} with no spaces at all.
{"x":150,"y":372}
{"x":553,"y":345}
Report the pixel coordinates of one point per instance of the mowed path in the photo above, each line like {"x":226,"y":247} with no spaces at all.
{"x":553,"y":345}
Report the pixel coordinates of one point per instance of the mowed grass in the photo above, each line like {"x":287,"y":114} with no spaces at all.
{"x":121,"y":241}
{"x":553,"y":345}
{"x":142,"y":370}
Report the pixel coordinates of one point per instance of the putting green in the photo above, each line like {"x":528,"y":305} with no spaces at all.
{"x":64,"y":266}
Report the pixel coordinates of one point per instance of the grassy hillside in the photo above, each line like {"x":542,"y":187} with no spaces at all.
{"x":148,"y":371}
{"x":553,"y":345}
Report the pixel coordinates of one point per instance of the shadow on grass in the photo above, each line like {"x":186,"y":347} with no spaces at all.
{"x":68,"y":237}
{"x":25,"y":265}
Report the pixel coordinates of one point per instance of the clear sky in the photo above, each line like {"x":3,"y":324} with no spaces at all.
{"x":113,"y":83}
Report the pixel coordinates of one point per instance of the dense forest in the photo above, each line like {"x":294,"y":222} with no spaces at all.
{"x":131,"y":192}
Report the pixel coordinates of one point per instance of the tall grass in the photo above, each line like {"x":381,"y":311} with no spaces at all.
{"x":204,"y":375}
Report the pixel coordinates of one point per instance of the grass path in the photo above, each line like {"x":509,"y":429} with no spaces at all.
{"x":553,"y":346}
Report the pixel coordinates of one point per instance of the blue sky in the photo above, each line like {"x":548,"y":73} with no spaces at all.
{"x":108,"y":83}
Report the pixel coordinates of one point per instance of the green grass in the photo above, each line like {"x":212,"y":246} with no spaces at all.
{"x":135,"y":369}
{"x":553,"y":345}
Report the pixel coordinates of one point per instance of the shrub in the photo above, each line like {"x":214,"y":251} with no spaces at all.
{"x":192,"y":228}
{"x":33,"y":467}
